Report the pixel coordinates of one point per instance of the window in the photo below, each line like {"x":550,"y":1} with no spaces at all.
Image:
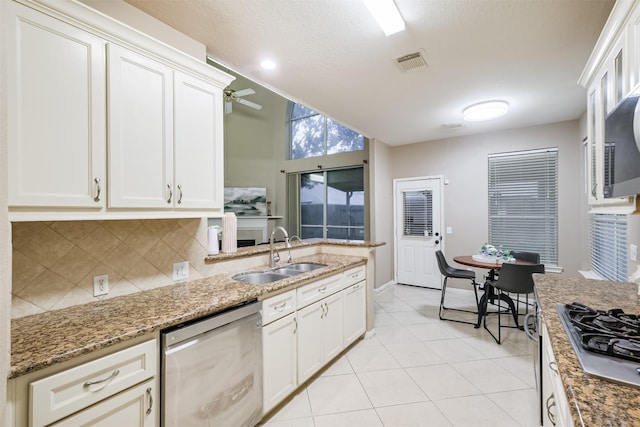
{"x":523,"y":202}
{"x":332,"y":204}
{"x":609,"y":246}
{"x":313,"y":135}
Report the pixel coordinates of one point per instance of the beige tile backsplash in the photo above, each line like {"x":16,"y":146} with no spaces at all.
{"x":54,"y":262}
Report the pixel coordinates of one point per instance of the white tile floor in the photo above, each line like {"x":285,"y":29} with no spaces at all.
{"x":420,"y":371}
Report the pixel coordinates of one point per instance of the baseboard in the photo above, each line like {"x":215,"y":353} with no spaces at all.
{"x":384,"y":286}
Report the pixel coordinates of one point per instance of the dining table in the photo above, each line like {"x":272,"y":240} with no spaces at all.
{"x":489,"y":291}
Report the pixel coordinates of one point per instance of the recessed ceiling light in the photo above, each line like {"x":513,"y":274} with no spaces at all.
{"x":386,"y":14}
{"x":268,"y":64}
{"x":485,"y":111}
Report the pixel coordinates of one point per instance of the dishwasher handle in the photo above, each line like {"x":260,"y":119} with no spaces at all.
{"x":177,"y":336}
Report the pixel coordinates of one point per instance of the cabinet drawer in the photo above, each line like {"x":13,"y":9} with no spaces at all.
{"x":278,"y":306}
{"x":353,"y":276}
{"x":316,"y":291}
{"x":57,"y":396}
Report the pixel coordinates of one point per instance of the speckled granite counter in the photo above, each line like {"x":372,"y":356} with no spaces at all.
{"x":592,"y":401}
{"x":42,"y":340}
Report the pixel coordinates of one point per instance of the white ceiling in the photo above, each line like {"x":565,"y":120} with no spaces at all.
{"x":334,"y":58}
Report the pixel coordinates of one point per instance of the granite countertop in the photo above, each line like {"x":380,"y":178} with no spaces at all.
{"x":592,"y":401}
{"x":42,"y":340}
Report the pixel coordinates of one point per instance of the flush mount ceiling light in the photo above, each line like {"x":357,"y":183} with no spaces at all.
{"x":268,"y":64}
{"x":386,"y":14}
{"x":485,"y":111}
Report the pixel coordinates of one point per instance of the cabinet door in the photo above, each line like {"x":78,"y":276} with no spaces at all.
{"x":332,"y":327}
{"x":133,"y":407}
{"x":310,"y":340}
{"x":56,"y":111}
{"x":140,"y":131}
{"x":198,"y":144}
{"x":354,"y":312}
{"x":279,"y":360}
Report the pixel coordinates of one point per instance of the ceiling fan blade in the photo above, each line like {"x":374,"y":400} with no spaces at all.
{"x":244,"y":92}
{"x":228,"y":107}
{"x":249,"y":104}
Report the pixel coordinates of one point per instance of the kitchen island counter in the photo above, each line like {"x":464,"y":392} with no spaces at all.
{"x":42,"y":340}
{"x":592,"y":401}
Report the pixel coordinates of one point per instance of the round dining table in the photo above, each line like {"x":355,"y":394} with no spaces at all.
{"x":489,"y":292}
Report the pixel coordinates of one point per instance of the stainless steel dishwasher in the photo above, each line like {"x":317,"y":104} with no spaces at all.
{"x":212,"y":370}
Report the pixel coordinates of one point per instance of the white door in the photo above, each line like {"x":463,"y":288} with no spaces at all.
{"x":418,"y":226}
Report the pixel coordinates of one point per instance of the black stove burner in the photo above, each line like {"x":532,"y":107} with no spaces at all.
{"x":613,"y":332}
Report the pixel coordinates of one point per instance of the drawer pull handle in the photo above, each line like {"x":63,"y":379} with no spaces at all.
{"x":322,"y":289}
{"x":104,"y":380}
{"x":281,"y":306}
{"x":98,"y":190}
{"x":170,"y":193}
{"x":150,"y":401}
{"x":551,"y":402}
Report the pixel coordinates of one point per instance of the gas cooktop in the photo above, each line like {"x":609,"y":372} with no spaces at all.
{"x":606,"y":342}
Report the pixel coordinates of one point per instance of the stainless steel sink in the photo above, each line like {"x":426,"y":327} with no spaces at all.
{"x":260,"y":278}
{"x":305,"y":267}
{"x":264,"y":277}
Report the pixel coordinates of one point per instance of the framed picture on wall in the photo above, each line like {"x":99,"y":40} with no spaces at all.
{"x":245,"y":201}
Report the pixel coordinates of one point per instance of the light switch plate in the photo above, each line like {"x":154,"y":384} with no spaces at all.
{"x":180,"y":271}
{"x":449,"y":230}
{"x":633,"y":252}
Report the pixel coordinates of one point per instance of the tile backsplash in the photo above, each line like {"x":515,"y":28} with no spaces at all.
{"x":54,"y":262}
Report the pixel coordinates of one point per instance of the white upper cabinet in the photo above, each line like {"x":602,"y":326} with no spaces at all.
{"x":198,"y":157}
{"x":105,"y":122}
{"x":56,"y":112}
{"x":140,"y":131}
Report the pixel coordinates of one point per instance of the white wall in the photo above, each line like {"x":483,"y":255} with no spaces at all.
{"x":381,"y":209}
{"x":463,"y":161}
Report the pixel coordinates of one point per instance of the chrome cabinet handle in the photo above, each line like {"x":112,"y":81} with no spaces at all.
{"x":180,"y":197}
{"x":170,"y":193}
{"x":104,"y":380}
{"x":527,"y":329}
{"x":322,"y":289}
{"x":150,"y":400}
{"x":551,"y":402}
{"x":98,"y":190}
{"x":554,"y":367}
{"x":323,"y":313}
{"x":295,"y":325}
{"x":327,"y":307}
{"x":280,"y":307}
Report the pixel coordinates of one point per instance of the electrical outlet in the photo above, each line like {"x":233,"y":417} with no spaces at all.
{"x":180,"y":271}
{"x":100,"y":285}
{"x":633,"y":252}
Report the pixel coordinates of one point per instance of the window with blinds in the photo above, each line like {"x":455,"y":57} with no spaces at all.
{"x":609,"y":246}
{"x":523,"y":202}
{"x":418,"y":212}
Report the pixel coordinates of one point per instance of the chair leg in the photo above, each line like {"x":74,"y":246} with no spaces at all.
{"x":443,"y":307}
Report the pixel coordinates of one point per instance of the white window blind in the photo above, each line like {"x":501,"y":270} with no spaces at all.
{"x":418,"y":212}
{"x":523,"y":202}
{"x":609,"y":246}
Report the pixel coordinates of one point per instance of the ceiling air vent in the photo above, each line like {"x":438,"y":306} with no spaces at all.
{"x":412,"y":61}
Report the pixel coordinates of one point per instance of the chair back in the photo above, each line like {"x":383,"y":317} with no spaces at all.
{"x":526,"y":256}
{"x":442,"y":263}
{"x":517,"y":278}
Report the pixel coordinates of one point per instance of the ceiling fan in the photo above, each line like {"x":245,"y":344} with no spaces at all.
{"x":236,"y":95}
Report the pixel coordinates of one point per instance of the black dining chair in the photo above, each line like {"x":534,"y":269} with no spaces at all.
{"x":449,"y":272}
{"x":531,"y":257}
{"x":513,"y":279}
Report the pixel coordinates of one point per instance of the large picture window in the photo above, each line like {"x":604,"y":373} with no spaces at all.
{"x":313,"y":135}
{"x":523,"y":202}
{"x":332,"y":204}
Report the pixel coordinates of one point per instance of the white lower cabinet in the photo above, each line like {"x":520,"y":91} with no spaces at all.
{"x":354,"y":312}
{"x":279,"y":353}
{"x":305,"y":328}
{"x":133,"y":407}
{"x":319,"y":335}
{"x":555,"y":405}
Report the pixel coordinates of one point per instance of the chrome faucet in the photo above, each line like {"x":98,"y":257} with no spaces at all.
{"x":274,"y":258}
